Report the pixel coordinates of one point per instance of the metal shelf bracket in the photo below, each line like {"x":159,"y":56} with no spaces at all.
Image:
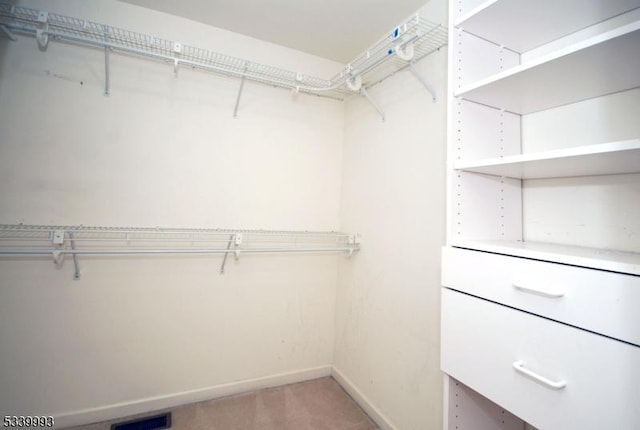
{"x":58,"y":238}
{"x":354,"y":240}
{"x":176,"y":50}
{"x":176,"y":67}
{"x":428,"y":87}
{"x":354,"y":83}
{"x":235,"y":109}
{"x":224,"y":259}
{"x":235,"y":240}
{"x":57,"y":258}
{"x":76,"y":268}
{"x":372,"y":102}
{"x":295,"y":90}
{"x":107,"y":80}
{"x":42,"y":31}
{"x":8,"y":33}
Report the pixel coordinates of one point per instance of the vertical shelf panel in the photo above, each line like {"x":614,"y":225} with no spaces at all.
{"x":478,"y":59}
{"x":469,"y":410}
{"x":483,"y":132}
{"x":486,"y":207}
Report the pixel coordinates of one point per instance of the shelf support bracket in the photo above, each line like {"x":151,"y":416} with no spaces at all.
{"x":76,"y":267}
{"x":107,"y":80}
{"x":8,"y":33}
{"x":226,"y":254}
{"x":353,"y":241}
{"x":57,"y":238}
{"x":237,"y":241}
{"x":372,"y":102}
{"x":107,"y":77}
{"x":295,"y":91}
{"x":42,"y":31}
{"x":177,"y":50}
{"x":235,"y":109}
{"x":423,"y":82}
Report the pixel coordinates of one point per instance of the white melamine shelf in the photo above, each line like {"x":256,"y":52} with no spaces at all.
{"x":602,"y":64}
{"x":601,"y":159}
{"x":602,"y":259}
{"x":522,"y":25}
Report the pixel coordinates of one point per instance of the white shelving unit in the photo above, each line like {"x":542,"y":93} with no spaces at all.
{"x":489,"y":112}
{"x":553,"y":66}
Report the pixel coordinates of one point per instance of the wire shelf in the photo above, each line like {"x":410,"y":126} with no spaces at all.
{"x":58,"y":241}
{"x":373,"y":66}
{"x":435,"y":39}
{"x":382,"y":61}
{"x":11,"y":232}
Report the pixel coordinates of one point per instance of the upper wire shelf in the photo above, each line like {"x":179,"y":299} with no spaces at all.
{"x":408,"y":43}
{"x":382,"y":60}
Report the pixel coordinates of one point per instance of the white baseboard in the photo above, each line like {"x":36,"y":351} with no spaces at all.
{"x":374,"y":413}
{"x":118,"y":410}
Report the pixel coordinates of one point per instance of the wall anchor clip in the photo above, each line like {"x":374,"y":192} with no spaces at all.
{"x":42,"y":32}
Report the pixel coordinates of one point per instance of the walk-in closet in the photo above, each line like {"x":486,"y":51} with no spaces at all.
{"x":320,"y":215}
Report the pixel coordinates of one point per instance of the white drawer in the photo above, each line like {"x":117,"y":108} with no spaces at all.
{"x":603,"y":302}
{"x":481,"y":341}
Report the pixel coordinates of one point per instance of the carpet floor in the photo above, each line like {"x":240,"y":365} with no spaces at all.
{"x":320,"y":404}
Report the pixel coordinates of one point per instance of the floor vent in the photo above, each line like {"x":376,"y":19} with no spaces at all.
{"x":155,"y":422}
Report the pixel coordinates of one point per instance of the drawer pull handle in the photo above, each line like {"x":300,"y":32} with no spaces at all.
{"x":556,"y":385}
{"x":541,"y":292}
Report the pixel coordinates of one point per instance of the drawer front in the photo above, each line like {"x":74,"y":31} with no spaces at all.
{"x":565,"y":378}
{"x":599,"y":301}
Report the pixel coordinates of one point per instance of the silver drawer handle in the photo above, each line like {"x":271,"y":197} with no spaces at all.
{"x":556,"y":385}
{"x":518,"y":285}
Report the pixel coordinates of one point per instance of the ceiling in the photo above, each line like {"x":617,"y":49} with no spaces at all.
{"x":335,"y":29}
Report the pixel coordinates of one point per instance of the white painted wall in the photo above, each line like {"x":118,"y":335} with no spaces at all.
{"x":160,"y":151}
{"x":387,"y":312}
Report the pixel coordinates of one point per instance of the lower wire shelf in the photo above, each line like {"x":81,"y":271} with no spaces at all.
{"x":59,"y":241}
